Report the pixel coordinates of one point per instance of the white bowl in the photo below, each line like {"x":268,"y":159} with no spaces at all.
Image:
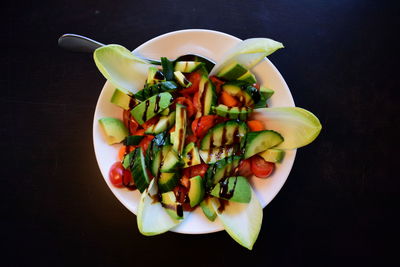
{"x":211,"y":44}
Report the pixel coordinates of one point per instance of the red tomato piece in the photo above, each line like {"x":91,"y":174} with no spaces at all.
{"x":129,"y":121}
{"x":191,"y":110}
{"x":150,"y":122}
{"x":244,"y":168}
{"x":200,"y":126}
{"x":194,"y":78}
{"x":144,"y":144}
{"x":217,"y":82}
{"x":116,"y":174}
{"x":195,"y":170}
{"x":260,"y":167}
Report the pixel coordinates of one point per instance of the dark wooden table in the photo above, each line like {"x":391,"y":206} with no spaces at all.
{"x":339,"y":206}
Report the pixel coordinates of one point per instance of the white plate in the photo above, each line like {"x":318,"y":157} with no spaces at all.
{"x":211,"y":44}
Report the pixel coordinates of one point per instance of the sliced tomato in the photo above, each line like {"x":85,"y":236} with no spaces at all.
{"x":195,"y":170}
{"x":260,"y":167}
{"x":194,"y":78}
{"x":186,"y":101}
{"x":200,"y":126}
{"x":190,"y":138}
{"x":144,"y":144}
{"x":129,"y":121}
{"x":218,"y":83}
{"x":244,"y":168}
{"x":150,"y":122}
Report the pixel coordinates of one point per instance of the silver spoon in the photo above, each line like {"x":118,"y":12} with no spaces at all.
{"x":79,"y":43}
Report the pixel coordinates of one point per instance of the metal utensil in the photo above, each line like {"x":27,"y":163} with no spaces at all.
{"x":79,"y":43}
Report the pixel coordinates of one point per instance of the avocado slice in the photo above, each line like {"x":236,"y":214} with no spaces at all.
{"x":272,"y":155}
{"x":122,"y":99}
{"x":232,"y":72}
{"x":207,"y":209}
{"x":181,"y":79}
{"x":163,"y":124}
{"x":240,"y":113}
{"x":190,"y":155}
{"x":207,"y":96}
{"x":114,"y":129}
{"x":172,"y":207}
{"x":151,"y":107}
{"x":196,"y":190}
{"x":265,"y":94}
{"x":248,"y":77}
{"x":217,"y":153}
{"x":235,"y":188}
{"x":154,"y":76}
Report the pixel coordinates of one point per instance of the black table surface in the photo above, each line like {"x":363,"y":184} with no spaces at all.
{"x":339,"y":205}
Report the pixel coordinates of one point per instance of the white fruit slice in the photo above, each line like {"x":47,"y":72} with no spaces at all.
{"x":121,"y":67}
{"x":152,"y":218}
{"x":298,"y":126}
{"x":241,"y":221}
{"x":247,"y":53}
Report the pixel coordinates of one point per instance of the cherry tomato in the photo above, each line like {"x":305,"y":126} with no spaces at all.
{"x":191,"y":110}
{"x":116,"y":174}
{"x":217,"y":82}
{"x":129,"y":121}
{"x":260,"y":167}
{"x":194,"y":78}
{"x":200,"y":126}
{"x":244,"y":168}
{"x":195,"y":170}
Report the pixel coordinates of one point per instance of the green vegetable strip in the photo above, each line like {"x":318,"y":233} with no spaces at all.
{"x":133,"y":140}
{"x":154,"y":89}
{"x":168,"y":68}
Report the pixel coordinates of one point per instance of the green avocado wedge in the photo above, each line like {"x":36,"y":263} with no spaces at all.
{"x":298,"y":126}
{"x":151,"y":107}
{"x":114,"y":129}
{"x":152,"y":218}
{"x":121,"y":67}
{"x":242,"y":221}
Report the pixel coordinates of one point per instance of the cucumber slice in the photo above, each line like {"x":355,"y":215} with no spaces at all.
{"x":167,"y":181}
{"x":261,"y":141}
{"x":163,"y":124}
{"x":221,"y":169}
{"x":215,"y":154}
{"x":224,"y":134}
{"x":235,"y":189}
{"x":139,"y":171}
{"x":171,"y":161}
{"x":180,"y":128}
{"x":272,"y":155}
{"x":133,"y":140}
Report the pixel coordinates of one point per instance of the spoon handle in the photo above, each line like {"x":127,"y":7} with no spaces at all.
{"x":78,"y":43}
